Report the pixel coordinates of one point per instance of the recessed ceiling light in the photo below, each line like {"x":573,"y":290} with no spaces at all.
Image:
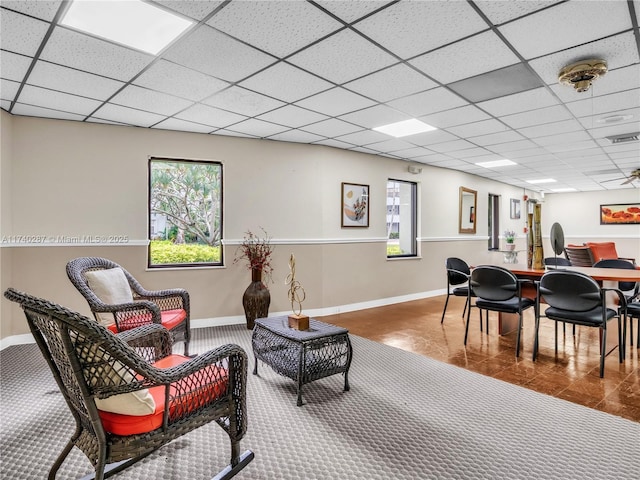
{"x":496,"y":163}
{"x":132,"y":23}
{"x":405,"y":128}
{"x":560,"y":190}
{"x":541,"y":180}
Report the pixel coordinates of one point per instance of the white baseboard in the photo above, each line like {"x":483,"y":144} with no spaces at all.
{"x":16,"y":340}
{"x":240,"y":319}
{"x":320,"y":312}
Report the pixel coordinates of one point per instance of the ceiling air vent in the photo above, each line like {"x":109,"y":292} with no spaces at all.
{"x":625,"y":137}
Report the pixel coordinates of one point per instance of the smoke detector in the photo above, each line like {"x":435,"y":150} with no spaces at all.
{"x":581,"y":74}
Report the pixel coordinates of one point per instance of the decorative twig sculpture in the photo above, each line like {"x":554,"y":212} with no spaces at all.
{"x":297,"y":295}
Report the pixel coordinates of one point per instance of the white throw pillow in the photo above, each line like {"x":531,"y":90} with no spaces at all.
{"x":137,"y":403}
{"x":110,"y":286}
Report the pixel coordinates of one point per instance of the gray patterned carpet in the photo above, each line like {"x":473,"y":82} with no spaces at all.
{"x":406,"y":417}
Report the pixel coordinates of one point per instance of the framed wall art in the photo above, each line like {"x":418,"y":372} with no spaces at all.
{"x":515,"y":209}
{"x":616,"y":214}
{"x":355,"y":205}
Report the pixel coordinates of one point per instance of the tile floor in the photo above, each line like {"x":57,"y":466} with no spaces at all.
{"x":572,"y":374}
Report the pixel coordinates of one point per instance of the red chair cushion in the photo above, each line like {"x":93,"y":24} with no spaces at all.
{"x":603,"y":250}
{"x":213,"y":385}
{"x":169,"y":318}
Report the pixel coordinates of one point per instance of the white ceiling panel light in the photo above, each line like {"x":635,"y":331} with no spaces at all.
{"x":496,"y":163}
{"x":405,"y":128}
{"x":133,"y":23}
{"x":541,"y":180}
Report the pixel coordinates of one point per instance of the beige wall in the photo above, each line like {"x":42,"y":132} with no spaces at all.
{"x":6,"y":135}
{"x":72,"y":179}
{"x":579,"y":215}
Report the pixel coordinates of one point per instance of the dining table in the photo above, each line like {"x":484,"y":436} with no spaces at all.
{"x":606,"y":277}
{"x":598,"y":274}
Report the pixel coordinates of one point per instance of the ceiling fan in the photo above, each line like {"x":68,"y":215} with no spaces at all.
{"x":634,"y":175}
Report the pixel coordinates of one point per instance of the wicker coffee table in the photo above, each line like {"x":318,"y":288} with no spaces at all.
{"x":302,"y":355}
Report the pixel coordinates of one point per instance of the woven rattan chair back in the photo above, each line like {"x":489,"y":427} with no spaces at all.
{"x":579,"y":256}
{"x":89,"y":362}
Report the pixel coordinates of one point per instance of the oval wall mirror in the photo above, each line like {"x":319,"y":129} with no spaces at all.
{"x":468,"y":210}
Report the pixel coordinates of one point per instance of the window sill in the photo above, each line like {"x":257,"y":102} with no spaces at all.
{"x":404,"y":257}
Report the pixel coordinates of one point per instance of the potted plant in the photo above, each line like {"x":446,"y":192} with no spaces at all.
{"x":510,"y":238}
{"x":257,"y":252}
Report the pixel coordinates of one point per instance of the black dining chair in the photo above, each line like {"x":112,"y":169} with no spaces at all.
{"x":576,"y":298}
{"x":557,"y":262}
{"x":630,"y":290}
{"x":498,"y":290}
{"x":633,"y":313}
{"x":458,"y":273}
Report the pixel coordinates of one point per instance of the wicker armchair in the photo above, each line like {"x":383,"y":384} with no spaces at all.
{"x":134,"y":307}
{"x":99,"y":372}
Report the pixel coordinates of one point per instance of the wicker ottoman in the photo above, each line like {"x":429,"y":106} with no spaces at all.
{"x":302,"y":355}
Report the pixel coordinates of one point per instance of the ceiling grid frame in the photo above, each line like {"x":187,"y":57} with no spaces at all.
{"x":464,"y":137}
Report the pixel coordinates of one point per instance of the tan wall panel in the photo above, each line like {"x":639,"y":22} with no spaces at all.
{"x":214,"y":292}
{"x":579,"y":215}
{"x":6,"y":159}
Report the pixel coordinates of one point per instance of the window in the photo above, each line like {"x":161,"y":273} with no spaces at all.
{"x":401,"y":219}
{"x":185,"y":213}
{"x":494,"y":222}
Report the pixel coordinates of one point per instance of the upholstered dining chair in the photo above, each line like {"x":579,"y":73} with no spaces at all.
{"x":606,"y":251}
{"x":119,"y":302}
{"x":128,"y":394}
{"x":498,"y":290}
{"x":458,"y":273}
{"x":576,"y":298}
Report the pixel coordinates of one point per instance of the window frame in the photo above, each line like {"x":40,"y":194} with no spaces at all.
{"x":414,"y":218}
{"x":157,"y":159}
{"x":493,"y":224}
